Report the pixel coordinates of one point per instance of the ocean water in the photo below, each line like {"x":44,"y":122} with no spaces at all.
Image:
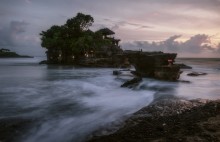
{"x":69,"y":104}
{"x":207,"y":86}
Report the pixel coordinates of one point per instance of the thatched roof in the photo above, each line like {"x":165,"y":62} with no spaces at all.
{"x":106,"y":31}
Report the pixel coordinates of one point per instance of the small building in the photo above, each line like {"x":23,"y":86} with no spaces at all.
{"x":59,"y":55}
{"x":108,"y":50}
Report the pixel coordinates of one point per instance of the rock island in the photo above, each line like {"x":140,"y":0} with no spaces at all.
{"x":74,"y":43}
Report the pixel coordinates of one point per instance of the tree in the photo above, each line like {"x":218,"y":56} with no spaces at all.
{"x":53,"y":37}
{"x":79,"y":23}
{"x":72,"y":39}
{"x":79,"y":35}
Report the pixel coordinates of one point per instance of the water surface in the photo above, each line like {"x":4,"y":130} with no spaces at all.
{"x":69,"y":103}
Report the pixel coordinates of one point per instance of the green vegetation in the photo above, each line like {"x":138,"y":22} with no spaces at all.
{"x":74,"y":40}
{"x":6,"y":53}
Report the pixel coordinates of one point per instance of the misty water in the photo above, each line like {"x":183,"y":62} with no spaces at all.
{"x":66,"y":103}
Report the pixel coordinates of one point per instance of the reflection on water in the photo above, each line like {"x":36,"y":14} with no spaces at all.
{"x":68,"y":103}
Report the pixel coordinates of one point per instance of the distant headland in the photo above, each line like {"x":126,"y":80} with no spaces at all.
{"x":6,"y":53}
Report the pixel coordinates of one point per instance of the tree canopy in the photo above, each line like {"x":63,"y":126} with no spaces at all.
{"x":74,"y":37}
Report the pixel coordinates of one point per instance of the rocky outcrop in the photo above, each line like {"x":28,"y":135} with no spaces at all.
{"x":196,"y":73}
{"x":171,"y":120}
{"x":171,"y":73}
{"x":157,"y":65}
{"x":117,"y":72}
{"x":132,"y":83}
{"x":12,"y":129}
{"x":43,"y":62}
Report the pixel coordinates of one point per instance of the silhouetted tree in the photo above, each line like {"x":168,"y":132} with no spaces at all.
{"x":73,"y":38}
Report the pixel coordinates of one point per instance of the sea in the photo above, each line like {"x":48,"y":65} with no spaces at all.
{"x":70,"y":104}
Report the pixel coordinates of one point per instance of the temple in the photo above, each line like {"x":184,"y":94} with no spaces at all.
{"x":111,"y":49}
{"x":57,"y":55}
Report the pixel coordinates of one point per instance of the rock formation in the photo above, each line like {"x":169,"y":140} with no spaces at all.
{"x":154,"y":64}
{"x":132,"y":83}
{"x":196,"y":74}
{"x":170,"y":121}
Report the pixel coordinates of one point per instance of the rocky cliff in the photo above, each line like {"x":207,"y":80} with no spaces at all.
{"x":154,"y":64}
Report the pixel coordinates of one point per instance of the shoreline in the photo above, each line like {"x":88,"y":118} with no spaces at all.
{"x":170,"y":120}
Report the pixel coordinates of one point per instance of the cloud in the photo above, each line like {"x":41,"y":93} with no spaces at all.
{"x":28,"y":1}
{"x":15,"y":37}
{"x":197,"y":45}
{"x":218,"y":48}
{"x":18,"y":26}
{"x":151,"y":20}
{"x":8,"y":35}
{"x":170,"y":44}
{"x":116,"y":24}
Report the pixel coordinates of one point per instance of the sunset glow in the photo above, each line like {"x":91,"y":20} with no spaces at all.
{"x":131,"y":20}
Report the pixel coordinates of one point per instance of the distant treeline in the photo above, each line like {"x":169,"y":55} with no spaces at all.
{"x":6,"y":53}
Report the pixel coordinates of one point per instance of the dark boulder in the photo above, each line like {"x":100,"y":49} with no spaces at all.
{"x":136,"y":73}
{"x":43,"y":62}
{"x":13,"y":128}
{"x":117,"y":72}
{"x":196,"y":74}
{"x":132,"y":83}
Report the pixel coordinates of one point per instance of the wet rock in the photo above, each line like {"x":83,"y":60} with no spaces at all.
{"x":135,"y":73}
{"x":196,"y":74}
{"x":43,"y":62}
{"x":146,"y":63}
{"x":170,"y":73}
{"x":171,"y":120}
{"x":117,"y":72}
{"x":157,"y":65}
{"x":12,"y":129}
{"x":132,"y":83}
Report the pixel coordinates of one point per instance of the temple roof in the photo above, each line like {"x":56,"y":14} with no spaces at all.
{"x":106,"y":31}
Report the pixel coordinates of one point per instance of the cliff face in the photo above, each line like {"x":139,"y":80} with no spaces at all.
{"x":154,"y":64}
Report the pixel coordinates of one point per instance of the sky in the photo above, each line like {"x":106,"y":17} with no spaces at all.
{"x":190,"y":28}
